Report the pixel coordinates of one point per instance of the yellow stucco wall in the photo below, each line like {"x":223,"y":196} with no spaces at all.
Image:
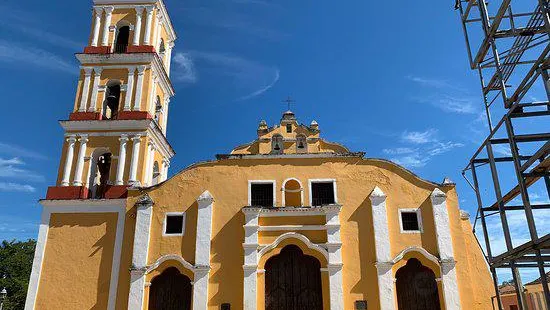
{"x":228,"y":182}
{"x":77,"y":261}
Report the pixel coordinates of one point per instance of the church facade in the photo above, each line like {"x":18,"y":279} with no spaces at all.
{"x":288,"y":221}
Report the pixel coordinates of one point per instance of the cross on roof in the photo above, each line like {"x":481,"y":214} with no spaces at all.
{"x":289,"y":101}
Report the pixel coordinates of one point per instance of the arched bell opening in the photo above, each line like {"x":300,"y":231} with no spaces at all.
{"x":416,"y":287}
{"x":122,"y":39}
{"x":112,"y":100}
{"x":277,"y":146}
{"x":301,"y":144}
{"x":156,"y":173}
{"x":293,"y":281}
{"x":171,"y":290}
{"x":158,"y":110}
{"x":99,"y":174}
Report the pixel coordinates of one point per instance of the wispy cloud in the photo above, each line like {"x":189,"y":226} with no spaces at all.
{"x":247,"y":75}
{"x":263,"y":89}
{"x":29,"y":24}
{"x":15,"y":150}
{"x":419,"y":137}
{"x":445,"y":95}
{"x":186,"y":68}
{"x":422,"y":147}
{"x":16,"y":187}
{"x":12,"y":52}
{"x":11,"y":168}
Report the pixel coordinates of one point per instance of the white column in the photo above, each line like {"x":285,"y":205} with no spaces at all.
{"x":106,"y":25}
{"x":95,"y":89}
{"x":139,"y":88}
{"x":168,"y":56}
{"x":80,"y":161}
{"x":148,"y":24}
{"x":140,"y":251}
{"x":149,"y":164}
{"x":153,"y":94}
{"x":158,"y":27}
{"x":97,"y":24}
{"x":382,"y":246}
{"x":165,"y":115}
{"x":334,"y":247}
{"x":68,"y":161}
{"x":129,"y":88}
{"x":165,"y":166}
{"x":85,"y":89}
{"x":137,"y":28}
{"x":202,"y":250}
{"x":121,"y":160}
{"x":445,"y":247}
{"x":134,"y":161}
{"x":250,"y":267}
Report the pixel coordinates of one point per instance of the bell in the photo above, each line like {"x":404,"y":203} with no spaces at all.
{"x":277,"y":147}
{"x":301,"y":145}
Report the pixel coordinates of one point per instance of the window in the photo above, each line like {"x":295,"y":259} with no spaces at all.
{"x":112,"y":100}
{"x":261,"y":193}
{"x":121,"y":43}
{"x":410,"y":220}
{"x":288,"y":128}
{"x":277,"y":145}
{"x":158,"y":110}
{"x":323,"y":192}
{"x":162,"y":47}
{"x":156,"y":173}
{"x":301,"y":144}
{"x":174,"y":224}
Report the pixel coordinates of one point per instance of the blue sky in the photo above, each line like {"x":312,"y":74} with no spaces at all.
{"x":385,"y":77}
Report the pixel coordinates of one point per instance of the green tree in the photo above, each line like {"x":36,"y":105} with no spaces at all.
{"x":15,"y":269}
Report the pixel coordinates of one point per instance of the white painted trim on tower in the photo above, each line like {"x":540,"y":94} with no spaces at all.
{"x":71,"y":206}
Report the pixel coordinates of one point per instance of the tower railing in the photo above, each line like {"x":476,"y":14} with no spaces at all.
{"x":514,"y":158}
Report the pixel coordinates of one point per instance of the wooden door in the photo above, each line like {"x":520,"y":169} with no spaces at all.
{"x":293,"y":281}
{"x":170,"y":291}
{"x":416,"y":287}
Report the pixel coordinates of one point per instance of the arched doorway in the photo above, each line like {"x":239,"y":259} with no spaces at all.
{"x":416,"y":287}
{"x":293,"y":281}
{"x":170,"y":290}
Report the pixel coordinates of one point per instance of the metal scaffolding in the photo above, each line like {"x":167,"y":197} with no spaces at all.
{"x":520,"y":141}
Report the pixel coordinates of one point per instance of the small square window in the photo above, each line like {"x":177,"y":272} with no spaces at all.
{"x":410,"y":221}
{"x":174,"y":224}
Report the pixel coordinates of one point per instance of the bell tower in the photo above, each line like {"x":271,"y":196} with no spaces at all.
{"x":115,"y":136}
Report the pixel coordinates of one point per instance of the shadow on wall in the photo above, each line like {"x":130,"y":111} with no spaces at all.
{"x":228,"y":256}
{"x":367,"y":253}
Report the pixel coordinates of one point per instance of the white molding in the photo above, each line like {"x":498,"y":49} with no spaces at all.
{"x":419,"y":250}
{"x":171,"y":257}
{"x":334,"y":188}
{"x":382,"y":247}
{"x":292,"y":235}
{"x":283,"y":191}
{"x":418,"y":218}
{"x":73,"y":206}
{"x":250,"y":182}
{"x":445,"y":247}
{"x":291,"y":211}
{"x":292,"y":227}
{"x":166,"y":215}
{"x":202,"y":249}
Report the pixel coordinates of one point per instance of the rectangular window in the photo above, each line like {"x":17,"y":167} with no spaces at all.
{"x":410,"y":220}
{"x":261,"y":194}
{"x":288,"y":128}
{"x":322,"y":193}
{"x":174,"y":224}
